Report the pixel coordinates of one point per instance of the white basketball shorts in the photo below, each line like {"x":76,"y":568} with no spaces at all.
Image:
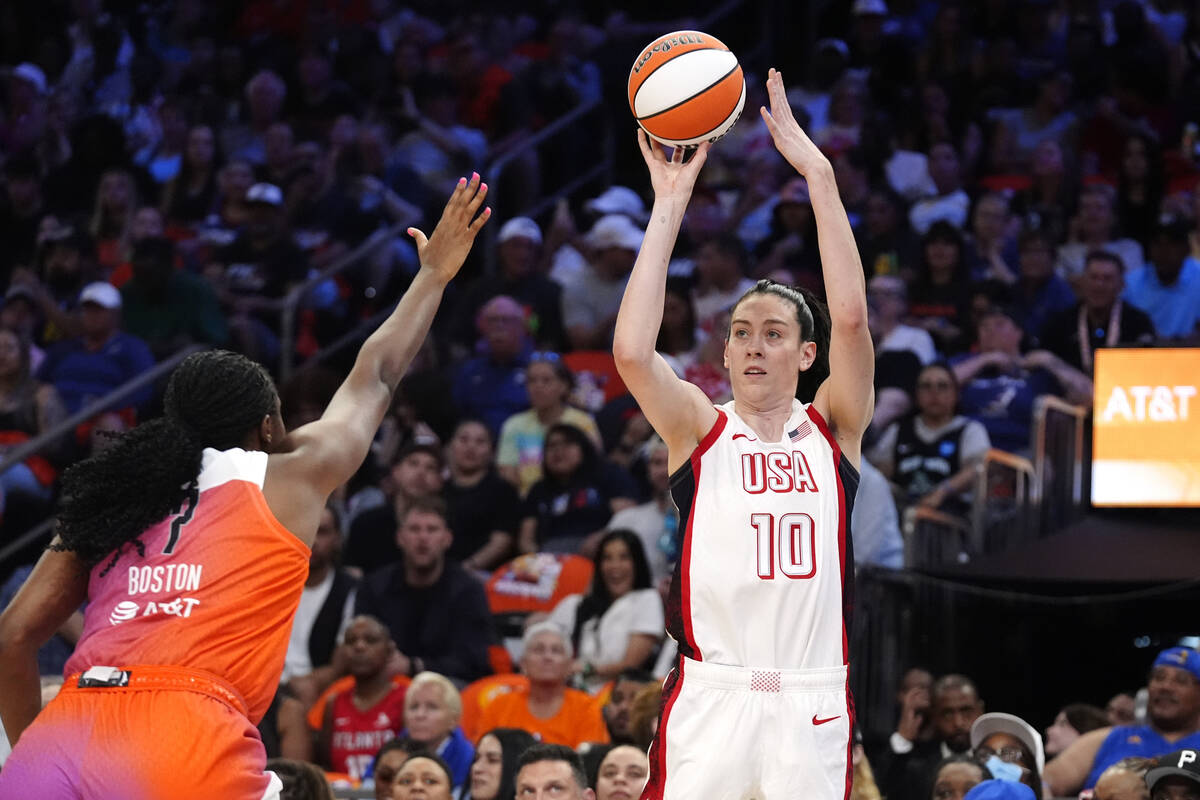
{"x":736,"y":733}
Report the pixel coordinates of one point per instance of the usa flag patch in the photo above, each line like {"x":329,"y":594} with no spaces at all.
{"x":804,"y":430}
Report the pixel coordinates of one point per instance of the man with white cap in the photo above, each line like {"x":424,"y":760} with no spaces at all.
{"x":1175,"y":776}
{"x":519,"y":247}
{"x":1172,"y":722}
{"x":590,"y":304}
{"x":101,"y":358}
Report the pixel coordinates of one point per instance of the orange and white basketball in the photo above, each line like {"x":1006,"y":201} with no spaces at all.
{"x":686,"y":88}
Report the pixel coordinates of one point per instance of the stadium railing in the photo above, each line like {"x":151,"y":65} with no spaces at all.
{"x":289,"y":306}
{"x":1005,"y":510}
{"x":1059,"y":431}
{"x":933,"y":537}
{"x":40,"y":444}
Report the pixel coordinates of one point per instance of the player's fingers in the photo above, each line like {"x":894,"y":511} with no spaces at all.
{"x":700,"y":156}
{"x":477,"y":200}
{"x":772,"y":125}
{"x":480,"y":220}
{"x":419,"y":238}
{"x":676,"y":155}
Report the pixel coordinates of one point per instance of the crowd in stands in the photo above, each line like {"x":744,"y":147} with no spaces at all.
{"x":1023,"y":179}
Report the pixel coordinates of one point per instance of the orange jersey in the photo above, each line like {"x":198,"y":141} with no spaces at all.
{"x":216,"y":591}
{"x":578,"y":721}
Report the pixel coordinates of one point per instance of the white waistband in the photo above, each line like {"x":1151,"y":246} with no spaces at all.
{"x":725,"y":676}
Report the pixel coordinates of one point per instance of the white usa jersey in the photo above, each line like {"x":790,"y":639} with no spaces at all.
{"x":765,"y":573}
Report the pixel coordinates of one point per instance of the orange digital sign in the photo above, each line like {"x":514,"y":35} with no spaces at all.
{"x":1146,"y":428}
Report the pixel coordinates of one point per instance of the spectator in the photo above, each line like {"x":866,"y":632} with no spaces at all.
{"x":432,"y":711}
{"x":616,"y":711}
{"x":905,"y":765}
{"x":301,"y":780}
{"x":886,"y":243}
{"x":623,"y":773}
{"x":490,"y":386}
{"x":1092,"y":229}
{"x":1039,"y":292}
{"x":993,"y":250}
{"x":1049,"y":202}
{"x":951,"y":202}
{"x":326,"y":605}
{"x":1140,"y":186}
{"x":619,"y":624}
{"x":887,"y":304}
{"x":1049,"y":118}
{"x":518,"y":251}
{"x":721,"y":274}
{"x":386,"y":764}
{"x":875,"y":528}
{"x":112,"y":216}
{"x":656,"y":522}
{"x":1168,"y":288}
{"x":253,"y":273}
{"x":437,"y":613}
{"x":439,"y":145}
{"x":19,"y":314}
{"x":265,"y":94}
{"x":21,"y":213}
{"x":102,"y":358}
{"x":941,"y":288}
{"x":1175,"y":775}
{"x":1099,"y":319}
{"x":644,"y":714}
{"x":321,"y":98}
{"x":677,"y":336}
{"x":931,"y":455}
{"x":190,"y":196}
{"x":494,"y":773}
{"x":575,"y":498}
{"x":1124,"y":780}
{"x":957,"y":775}
{"x":28,"y":408}
{"x":791,"y":243}
{"x":423,"y":776}
{"x":1072,"y":722}
{"x":1000,"y":790}
{"x":147,"y":224}
{"x":416,"y":475}
{"x":1004,"y":742}
{"x":167,"y":307}
{"x":357,"y":722}
{"x":1172,"y":721}
{"x":548,"y":381}
{"x":1121,"y":709}
{"x":547,"y":708}
{"x":551,"y":770}
{"x":484,"y":508}
{"x":65,"y":266}
{"x":589,"y":305}
{"x":1000,"y":385}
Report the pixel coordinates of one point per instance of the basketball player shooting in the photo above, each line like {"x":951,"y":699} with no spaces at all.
{"x":758,"y":704}
{"x":189,"y":536}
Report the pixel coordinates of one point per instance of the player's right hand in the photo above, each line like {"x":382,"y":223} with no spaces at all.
{"x":445,"y":250}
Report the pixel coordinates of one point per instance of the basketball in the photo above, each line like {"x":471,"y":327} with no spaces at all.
{"x":686,"y":88}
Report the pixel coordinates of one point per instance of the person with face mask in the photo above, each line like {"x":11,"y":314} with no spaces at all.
{"x":1010,"y":748}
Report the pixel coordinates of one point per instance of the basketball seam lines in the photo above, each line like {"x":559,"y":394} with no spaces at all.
{"x":738,"y":113}
{"x":677,"y":105}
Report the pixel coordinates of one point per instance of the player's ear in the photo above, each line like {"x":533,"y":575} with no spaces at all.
{"x":265,"y":433}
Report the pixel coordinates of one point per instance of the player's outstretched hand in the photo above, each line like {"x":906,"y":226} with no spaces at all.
{"x":445,"y":250}
{"x":790,"y":139}
{"x":671,"y":178}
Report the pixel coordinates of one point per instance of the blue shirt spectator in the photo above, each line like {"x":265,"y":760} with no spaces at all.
{"x":102,"y":359}
{"x":491,"y":386}
{"x":1173,"y":305}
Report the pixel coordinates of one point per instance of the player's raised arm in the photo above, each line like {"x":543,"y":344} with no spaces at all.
{"x":679,"y":411}
{"x":325,"y":453}
{"x":847,"y":396}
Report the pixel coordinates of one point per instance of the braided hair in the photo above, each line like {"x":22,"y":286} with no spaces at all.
{"x":813,"y":317}
{"x":213,"y":400}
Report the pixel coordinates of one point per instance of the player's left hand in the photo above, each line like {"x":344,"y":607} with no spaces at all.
{"x":790,"y":139}
{"x":672,"y":178}
{"x":445,"y":250}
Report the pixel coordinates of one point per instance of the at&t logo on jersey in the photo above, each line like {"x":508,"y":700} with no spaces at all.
{"x":123,"y":612}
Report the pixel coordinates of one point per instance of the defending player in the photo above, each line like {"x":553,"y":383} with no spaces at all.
{"x":757,"y":705}
{"x":189,"y":536}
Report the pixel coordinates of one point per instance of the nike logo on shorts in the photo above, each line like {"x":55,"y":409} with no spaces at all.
{"x":823,"y":721}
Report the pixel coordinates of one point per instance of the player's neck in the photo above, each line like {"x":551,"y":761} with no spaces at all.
{"x":766,"y":421}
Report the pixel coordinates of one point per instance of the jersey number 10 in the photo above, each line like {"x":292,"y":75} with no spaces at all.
{"x":790,"y":540}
